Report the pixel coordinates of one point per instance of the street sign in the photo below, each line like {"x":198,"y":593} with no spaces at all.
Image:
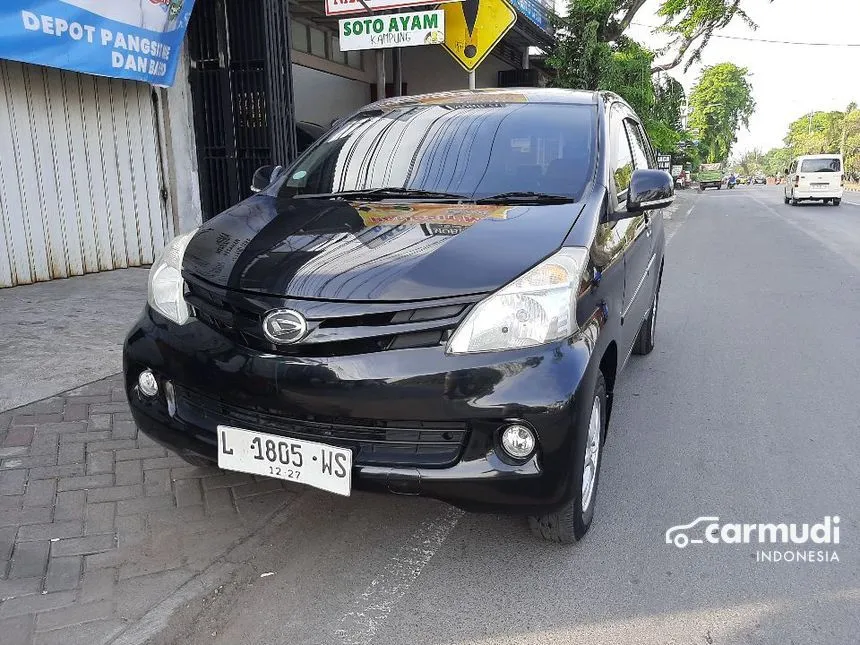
{"x":664,"y":162}
{"x":341,"y":7}
{"x":474,"y":27}
{"x":392,"y":30}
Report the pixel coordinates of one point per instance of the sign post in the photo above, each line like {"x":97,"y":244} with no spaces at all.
{"x":473,"y":28}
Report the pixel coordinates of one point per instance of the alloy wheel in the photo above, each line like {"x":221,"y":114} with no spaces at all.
{"x":654,"y":315}
{"x":592,"y":454}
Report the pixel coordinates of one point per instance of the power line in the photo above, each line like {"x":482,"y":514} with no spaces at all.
{"x":764,"y":40}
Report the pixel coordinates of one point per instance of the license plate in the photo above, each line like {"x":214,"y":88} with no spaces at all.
{"x":305,"y":462}
{"x":819,"y":186}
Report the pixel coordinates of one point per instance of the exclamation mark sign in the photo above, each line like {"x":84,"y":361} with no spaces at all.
{"x":470,"y":13}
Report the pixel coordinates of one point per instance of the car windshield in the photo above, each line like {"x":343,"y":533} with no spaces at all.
{"x":831,"y":164}
{"x":468,"y":151}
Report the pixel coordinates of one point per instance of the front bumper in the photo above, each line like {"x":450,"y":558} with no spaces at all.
{"x":421,"y":387}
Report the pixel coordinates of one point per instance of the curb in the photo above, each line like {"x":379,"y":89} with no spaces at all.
{"x":166,"y":620}
{"x":169,"y":621}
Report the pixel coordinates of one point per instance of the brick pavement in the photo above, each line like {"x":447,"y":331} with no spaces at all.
{"x":98,"y":523}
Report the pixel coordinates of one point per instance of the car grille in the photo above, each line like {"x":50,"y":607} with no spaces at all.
{"x":334,"y":328}
{"x":390,"y":443}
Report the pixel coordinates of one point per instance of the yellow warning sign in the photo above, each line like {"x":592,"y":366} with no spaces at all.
{"x":474,"y":27}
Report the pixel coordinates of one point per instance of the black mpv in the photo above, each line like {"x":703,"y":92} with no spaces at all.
{"x":435,"y":299}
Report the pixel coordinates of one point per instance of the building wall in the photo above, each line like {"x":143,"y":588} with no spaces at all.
{"x":81,"y":176}
{"x":321,"y":97}
{"x":432,"y":69}
{"x":177,"y":122}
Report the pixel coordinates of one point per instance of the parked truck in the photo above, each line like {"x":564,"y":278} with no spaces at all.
{"x":710,"y":176}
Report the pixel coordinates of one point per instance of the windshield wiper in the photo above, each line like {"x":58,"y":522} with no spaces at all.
{"x":527,"y":196}
{"x":388,"y":191}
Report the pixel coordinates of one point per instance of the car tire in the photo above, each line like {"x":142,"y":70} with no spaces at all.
{"x":785,"y":199}
{"x":645,"y":338}
{"x":571,"y":522}
{"x":837,"y":201}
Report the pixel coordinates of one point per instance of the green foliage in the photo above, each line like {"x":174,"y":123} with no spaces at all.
{"x":593,"y":53}
{"x":775,"y":161}
{"x":690,"y":24}
{"x":749,"y":163}
{"x":825,"y":132}
{"x":582,"y":54}
{"x":721,"y":102}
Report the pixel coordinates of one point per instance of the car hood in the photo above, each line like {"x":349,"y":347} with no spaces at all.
{"x":339,"y":250}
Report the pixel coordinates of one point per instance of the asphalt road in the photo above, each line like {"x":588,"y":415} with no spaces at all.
{"x":747,"y":410}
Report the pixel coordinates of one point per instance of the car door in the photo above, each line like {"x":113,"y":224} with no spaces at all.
{"x":625,"y":241}
{"x":639,"y":257}
{"x":789,"y":179}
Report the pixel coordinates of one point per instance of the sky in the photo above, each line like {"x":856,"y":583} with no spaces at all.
{"x":788,"y":80}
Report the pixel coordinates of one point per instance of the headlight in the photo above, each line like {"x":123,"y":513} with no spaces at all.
{"x":166,"y":292}
{"x":536,"y":308}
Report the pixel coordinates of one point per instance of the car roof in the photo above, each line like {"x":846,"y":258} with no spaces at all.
{"x":500,"y":96}
{"x":831,"y":155}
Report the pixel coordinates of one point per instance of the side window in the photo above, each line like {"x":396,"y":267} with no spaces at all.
{"x":621,"y":157}
{"x":638,"y":143}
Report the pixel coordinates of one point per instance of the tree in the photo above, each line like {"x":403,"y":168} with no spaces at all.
{"x":776,"y":160}
{"x":851,"y":142}
{"x":751,"y":162}
{"x":828,"y":132}
{"x":721,"y":102}
{"x":593,"y":53}
{"x":589,"y":29}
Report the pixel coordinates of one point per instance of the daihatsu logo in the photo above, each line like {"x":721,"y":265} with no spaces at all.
{"x":284,"y":326}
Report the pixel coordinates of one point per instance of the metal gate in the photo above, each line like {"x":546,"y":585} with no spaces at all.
{"x":80,"y":174}
{"x":242,"y":94}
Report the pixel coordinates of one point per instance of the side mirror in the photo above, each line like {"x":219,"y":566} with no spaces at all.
{"x":785,"y":171}
{"x":649,"y":189}
{"x":265,"y":175}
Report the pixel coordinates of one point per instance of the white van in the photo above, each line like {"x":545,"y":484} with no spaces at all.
{"x":814,"y":177}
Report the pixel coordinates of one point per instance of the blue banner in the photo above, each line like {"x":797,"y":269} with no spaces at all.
{"x":535,"y":11}
{"x":133,"y":39}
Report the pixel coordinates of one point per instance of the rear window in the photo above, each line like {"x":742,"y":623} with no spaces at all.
{"x":821,"y":165}
{"x":475,"y":150}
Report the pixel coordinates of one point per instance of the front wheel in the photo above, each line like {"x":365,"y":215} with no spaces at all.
{"x":785,"y":199}
{"x":571,"y":522}
{"x":645,"y":338}
{"x":837,"y":201}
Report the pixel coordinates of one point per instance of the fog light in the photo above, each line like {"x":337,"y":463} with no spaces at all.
{"x":518,"y":441}
{"x":147,"y":384}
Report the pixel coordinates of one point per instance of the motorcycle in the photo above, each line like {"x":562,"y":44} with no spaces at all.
{"x":731,"y":182}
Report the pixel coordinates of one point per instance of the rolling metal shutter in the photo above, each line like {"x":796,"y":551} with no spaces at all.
{"x":81,"y":186}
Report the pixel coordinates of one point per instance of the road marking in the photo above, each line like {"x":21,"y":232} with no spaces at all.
{"x":673,"y":233}
{"x":371,"y":609}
